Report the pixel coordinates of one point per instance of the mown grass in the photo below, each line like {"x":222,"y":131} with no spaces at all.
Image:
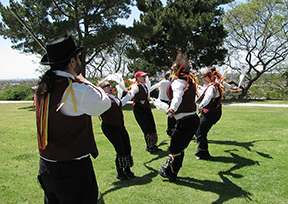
{"x":248,"y":146}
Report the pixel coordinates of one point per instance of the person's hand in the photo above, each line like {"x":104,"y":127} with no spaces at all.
{"x":199,"y":108}
{"x":170,"y":112}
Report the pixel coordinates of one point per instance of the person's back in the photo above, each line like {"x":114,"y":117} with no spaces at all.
{"x":65,"y":101}
{"x":181,"y":93}
{"x":162,"y":86}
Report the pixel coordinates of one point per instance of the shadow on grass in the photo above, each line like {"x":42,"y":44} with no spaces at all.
{"x":239,"y":162}
{"x":143,"y":180}
{"x":139,"y":181}
{"x":163,"y":143}
{"x":29,"y":108}
{"x":26,"y":156}
{"x":246,"y":145}
{"x":226,"y":190}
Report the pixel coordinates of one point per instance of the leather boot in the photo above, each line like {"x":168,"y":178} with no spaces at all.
{"x":121,"y":175}
{"x":166,"y":172}
{"x":129,"y":173}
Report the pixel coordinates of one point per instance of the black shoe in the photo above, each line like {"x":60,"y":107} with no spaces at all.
{"x":153,"y":149}
{"x":164,"y":167}
{"x":204,"y":158}
{"x":122,"y":177}
{"x":163,"y":173}
{"x":202,"y":155}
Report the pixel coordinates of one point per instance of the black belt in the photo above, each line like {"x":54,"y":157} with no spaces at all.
{"x":188,"y":116}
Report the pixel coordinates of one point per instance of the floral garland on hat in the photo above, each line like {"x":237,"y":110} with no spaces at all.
{"x":218,"y":82}
{"x":190,"y":76}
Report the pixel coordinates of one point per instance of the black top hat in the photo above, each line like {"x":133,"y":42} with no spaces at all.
{"x":60,"y":49}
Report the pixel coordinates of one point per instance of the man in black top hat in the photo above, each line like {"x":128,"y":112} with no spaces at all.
{"x":65,"y":101}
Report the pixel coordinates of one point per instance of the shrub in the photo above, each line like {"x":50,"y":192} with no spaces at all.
{"x":18,"y":93}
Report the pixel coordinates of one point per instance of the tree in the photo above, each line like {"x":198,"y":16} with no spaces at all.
{"x":110,"y":60}
{"x":258,"y":37}
{"x":194,"y":27}
{"x":91,"y":22}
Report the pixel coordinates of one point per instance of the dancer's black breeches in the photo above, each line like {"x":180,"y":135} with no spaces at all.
{"x":145,"y":119}
{"x":207,"y":120}
{"x":119,"y":138}
{"x":181,"y":136}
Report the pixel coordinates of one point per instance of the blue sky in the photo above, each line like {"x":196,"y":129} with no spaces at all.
{"x":16,"y":65}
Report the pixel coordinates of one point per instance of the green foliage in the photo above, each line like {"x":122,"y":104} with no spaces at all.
{"x":142,"y":65}
{"x":270,"y":86}
{"x":18,"y":92}
{"x":91,"y":23}
{"x":194,"y":27}
{"x":268,"y":93}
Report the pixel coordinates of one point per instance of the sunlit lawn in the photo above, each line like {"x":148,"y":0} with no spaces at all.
{"x":249,"y":164}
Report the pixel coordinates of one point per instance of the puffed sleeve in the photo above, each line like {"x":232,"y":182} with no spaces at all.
{"x":91,"y":100}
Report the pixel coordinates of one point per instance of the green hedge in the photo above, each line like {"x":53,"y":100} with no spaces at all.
{"x":18,"y":92}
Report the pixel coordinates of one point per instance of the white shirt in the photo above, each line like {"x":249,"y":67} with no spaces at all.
{"x":210,"y":93}
{"x":162,"y":85}
{"x":177,"y":87}
{"x":124,"y":100}
{"x":90,"y":100}
{"x":135,"y":89}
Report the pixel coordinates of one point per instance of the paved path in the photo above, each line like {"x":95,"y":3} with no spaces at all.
{"x":16,"y":101}
{"x":256,"y":104}
{"x":225,"y":104}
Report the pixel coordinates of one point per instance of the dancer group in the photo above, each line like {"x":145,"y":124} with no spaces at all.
{"x":65,"y":102}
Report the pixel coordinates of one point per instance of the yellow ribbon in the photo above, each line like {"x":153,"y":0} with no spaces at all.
{"x":44,"y":112}
{"x":69,"y":89}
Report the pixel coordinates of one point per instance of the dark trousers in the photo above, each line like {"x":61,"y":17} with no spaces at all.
{"x":119,"y":138}
{"x":181,"y":136}
{"x":207,"y":120}
{"x":145,"y":119}
{"x":68,"y":182}
{"x":171,"y":121}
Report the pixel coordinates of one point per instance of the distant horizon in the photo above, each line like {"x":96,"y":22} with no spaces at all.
{"x":22,"y":79}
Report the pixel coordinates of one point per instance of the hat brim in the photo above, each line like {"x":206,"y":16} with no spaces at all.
{"x":45,"y":60}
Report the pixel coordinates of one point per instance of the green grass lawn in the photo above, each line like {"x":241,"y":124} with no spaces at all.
{"x":249,"y":164}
